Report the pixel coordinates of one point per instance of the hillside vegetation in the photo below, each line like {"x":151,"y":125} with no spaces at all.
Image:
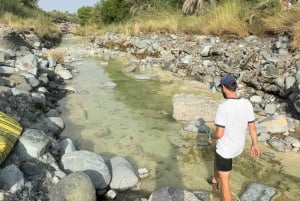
{"x":225,"y":18}
{"x":229,"y":18}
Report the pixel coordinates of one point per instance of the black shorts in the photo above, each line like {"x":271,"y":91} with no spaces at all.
{"x":223,"y":164}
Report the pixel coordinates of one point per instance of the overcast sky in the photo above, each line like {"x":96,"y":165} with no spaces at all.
{"x":65,"y":5}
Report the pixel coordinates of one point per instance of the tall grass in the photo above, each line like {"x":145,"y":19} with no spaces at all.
{"x":226,"y":18}
{"x":15,"y":15}
{"x":41,"y":24}
{"x":286,"y":22}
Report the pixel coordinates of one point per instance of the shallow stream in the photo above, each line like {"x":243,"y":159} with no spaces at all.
{"x":134,"y":120}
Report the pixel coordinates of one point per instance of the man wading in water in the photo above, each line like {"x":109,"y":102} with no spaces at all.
{"x":232,"y":119}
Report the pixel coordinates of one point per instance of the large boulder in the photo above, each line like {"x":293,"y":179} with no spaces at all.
{"x":190,"y":107}
{"x":76,"y":186}
{"x":90,"y":163}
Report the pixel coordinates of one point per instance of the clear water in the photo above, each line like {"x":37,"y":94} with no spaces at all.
{"x":135,"y":120}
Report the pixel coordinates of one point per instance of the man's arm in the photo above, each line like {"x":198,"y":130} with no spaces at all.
{"x":254,"y":151}
{"x":219,"y":132}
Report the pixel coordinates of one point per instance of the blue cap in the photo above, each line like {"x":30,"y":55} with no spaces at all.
{"x":227,"y":80}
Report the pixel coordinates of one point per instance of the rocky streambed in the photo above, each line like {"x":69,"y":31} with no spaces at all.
{"x":44,"y":166}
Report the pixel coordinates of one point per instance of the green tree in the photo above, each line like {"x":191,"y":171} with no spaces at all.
{"x":29,"y":3}
{"x":85,"y":14}
{"x":97,"y":13}
{"x":114,"y":11}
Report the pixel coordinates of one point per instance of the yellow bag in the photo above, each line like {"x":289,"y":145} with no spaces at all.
{"x":10,"y":131}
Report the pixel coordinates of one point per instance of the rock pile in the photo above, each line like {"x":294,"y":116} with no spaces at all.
{"x":44,"y":167}
{"x":266,"y":69}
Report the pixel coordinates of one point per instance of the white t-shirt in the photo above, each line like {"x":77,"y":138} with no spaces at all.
{"x":233,"y":115}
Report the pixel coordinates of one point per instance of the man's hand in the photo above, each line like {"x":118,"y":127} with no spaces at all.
{"x":209,"y":137}
{"x":254,"y":151}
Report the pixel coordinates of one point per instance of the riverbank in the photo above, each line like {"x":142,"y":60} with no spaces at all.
{"x":53,"y":173}
{"x":262,"y":168}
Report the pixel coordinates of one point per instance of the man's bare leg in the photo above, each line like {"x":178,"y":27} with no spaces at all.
{"x":225,"y":186}
{"x":216,"y":177}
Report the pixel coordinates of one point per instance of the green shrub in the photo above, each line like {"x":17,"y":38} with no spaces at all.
{"x":85,"y":14}
{"x":112,"y":11}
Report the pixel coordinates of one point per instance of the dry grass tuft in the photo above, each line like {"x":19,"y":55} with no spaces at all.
{"x":56,"y":54}
{"x":286,"y":22}
{"x":296,"y":37}
{"x":159,"y":22}
{"x":226,"y":19}
{"x":41,"y":24}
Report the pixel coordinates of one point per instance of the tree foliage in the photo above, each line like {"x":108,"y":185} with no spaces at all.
{"x":114,"y":11}
{"x":29,"y":3}
{"x":111,"y":11}
{"x":85,"y":14}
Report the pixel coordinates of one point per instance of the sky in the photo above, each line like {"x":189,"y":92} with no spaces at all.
{"x":65,"y":5}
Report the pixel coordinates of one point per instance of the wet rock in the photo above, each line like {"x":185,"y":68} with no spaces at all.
{"x":277,"y":144}
{"x":258,"y":192}
{"x":269,"y":154}
{"x":124,"y":176}
{"x":202,"y":195}
{"x":170,"y":194}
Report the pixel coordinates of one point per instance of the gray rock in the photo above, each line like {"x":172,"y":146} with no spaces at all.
{"x":90,"y":163}
{"x":76,"y":186}
{"x":289,"y":141}
{"x":172,"y":194}
{"x":39,"y":99}
{"x":51,"y":62}
{"x":202,"y":195}
{"x":28,"y":63}
{"x":205,"y":50}
{"x":66,"y":146}
{"x":7,"y":70}
{"x":289,"y":82}
{"x":11,"y":178}
{"x":273,"y":124}
{"x":277,"y":144}
{"x":256,"y":99}
{"x":32,"y":144}
{"x":258,"y":192}
{"x":270,"y":108}
{"x":124,"y":176}
{"x":269,"y":154}
{"x":64,"y":74}
{"x":263,"y":137}
{"x":52,"y":126}
{"x":31,"y":168}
